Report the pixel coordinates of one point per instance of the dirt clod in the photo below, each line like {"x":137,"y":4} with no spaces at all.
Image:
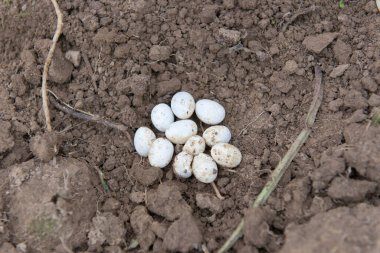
{"x":364,"y":156}
{"x":330,"y":167}
{"x":256,"y":228}
{"x":316,"y":43}
{"x":342,"y":51}
{"x":209,"y":201}
{"x":6,"y":138}
{"x":51,"y":201}
{"x":350,"y":230}
{"x":183,"y":235}
{"x":106,"y":228}
{"x":350,"y":190}
{"x":159,"y":53}
{"x":141,"y":223}
{"x":74,"y":57}
{"x":145,"y":174}
{"x":167,"y":201}
{"x":170,"y":86}
{"x":339,"y":70}
{"x":44,"y":146}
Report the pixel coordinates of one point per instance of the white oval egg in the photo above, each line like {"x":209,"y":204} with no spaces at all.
{"x":204,"y":168}
{"x":180,"y":131}
{"x":183,"y":105}
{"x":143,"y":140}
{"x":182,"y":165}
{"x":161,"y":153}
{"x":162,"y":116}
{"x":217,"y":134}
{"x":210,"y":112}
{"x":226,"y":155}
{"x":195,"y":145}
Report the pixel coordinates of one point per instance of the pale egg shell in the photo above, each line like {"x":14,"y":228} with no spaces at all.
{"x":209,"y":112}
{"x":182,"y":165}
{"x":204,"y":168}
{"x":180,"y":131}
{"x":226,"y":155}
{"x":161,"y":153}
{"x":195,"y":145}
{"x":217,"y":134}
{"x":162,"y":116}
{"x":143,"y":140}
{"x":183,"y":105}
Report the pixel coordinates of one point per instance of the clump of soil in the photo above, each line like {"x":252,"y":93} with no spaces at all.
{"x":344,"y":229}
{"x":50,"y":204}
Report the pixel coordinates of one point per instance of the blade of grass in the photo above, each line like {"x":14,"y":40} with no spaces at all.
{"x":285,"y":161}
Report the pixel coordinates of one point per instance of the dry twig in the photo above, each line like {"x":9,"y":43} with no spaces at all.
{"x":217,"y":192}
{"x":76,"y":113}
{"x":45,"y":100}
{"x":296,"y":15}
{"x":286,"y":160}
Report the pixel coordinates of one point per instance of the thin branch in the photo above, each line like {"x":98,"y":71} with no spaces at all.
{"x":76,"y":113}
{"x":285,"y":161}
{"x":296,"y":15}
{"x":45,"y":100}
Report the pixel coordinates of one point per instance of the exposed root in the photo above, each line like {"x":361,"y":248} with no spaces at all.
{"x":45,"y":99}
{"x":217,"y":192}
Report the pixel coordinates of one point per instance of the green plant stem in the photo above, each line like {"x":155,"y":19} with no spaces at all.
{"x":285,"y":161}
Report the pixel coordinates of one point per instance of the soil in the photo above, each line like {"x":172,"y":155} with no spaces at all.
{"x":117,"y":59}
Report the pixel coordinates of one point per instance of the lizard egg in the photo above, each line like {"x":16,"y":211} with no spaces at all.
{"x":217,"y":134}
{"x":180,"y":131}
{"x":204,"y":168}
{"x":161,"y":153}
{"x":195,"y":145}
{"x":210,"y":112}
{"x":226,"y":155}
{"x":143,"y":140}
{"x":182,"y":165}
{"x":183,"y":105}
{"x":162,"y":116}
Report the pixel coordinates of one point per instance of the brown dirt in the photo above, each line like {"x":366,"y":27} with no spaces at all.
{"x":135,"y":54}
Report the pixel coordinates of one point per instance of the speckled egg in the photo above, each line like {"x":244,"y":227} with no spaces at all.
{"x":182,"y":165}
{"x":195,"y":145}
{"x":209,"y":112}
{"x":143,"y":140}
{"x":183,"y":105}
{"x":226,"y":155}
{"x":161,"y":153}
{"x":217,"y":134}
{"x":180,"y":131}
{"x":204,"y":168}
{"x":162,"y":117}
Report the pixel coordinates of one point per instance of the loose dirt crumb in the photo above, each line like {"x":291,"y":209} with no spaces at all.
{"x":209,"y":201}
{"x":316,"y":43}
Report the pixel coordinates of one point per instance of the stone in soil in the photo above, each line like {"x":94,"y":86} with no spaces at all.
{"x":316,"y":43}
{"x":183,"y":235}
{"x":374,"y":100}
{"x":74,"y":57}
{"x":228,"y":37}
{"x":339,"y":70}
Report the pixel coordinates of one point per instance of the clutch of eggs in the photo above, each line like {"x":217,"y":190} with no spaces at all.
{"x":192,"y":160}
